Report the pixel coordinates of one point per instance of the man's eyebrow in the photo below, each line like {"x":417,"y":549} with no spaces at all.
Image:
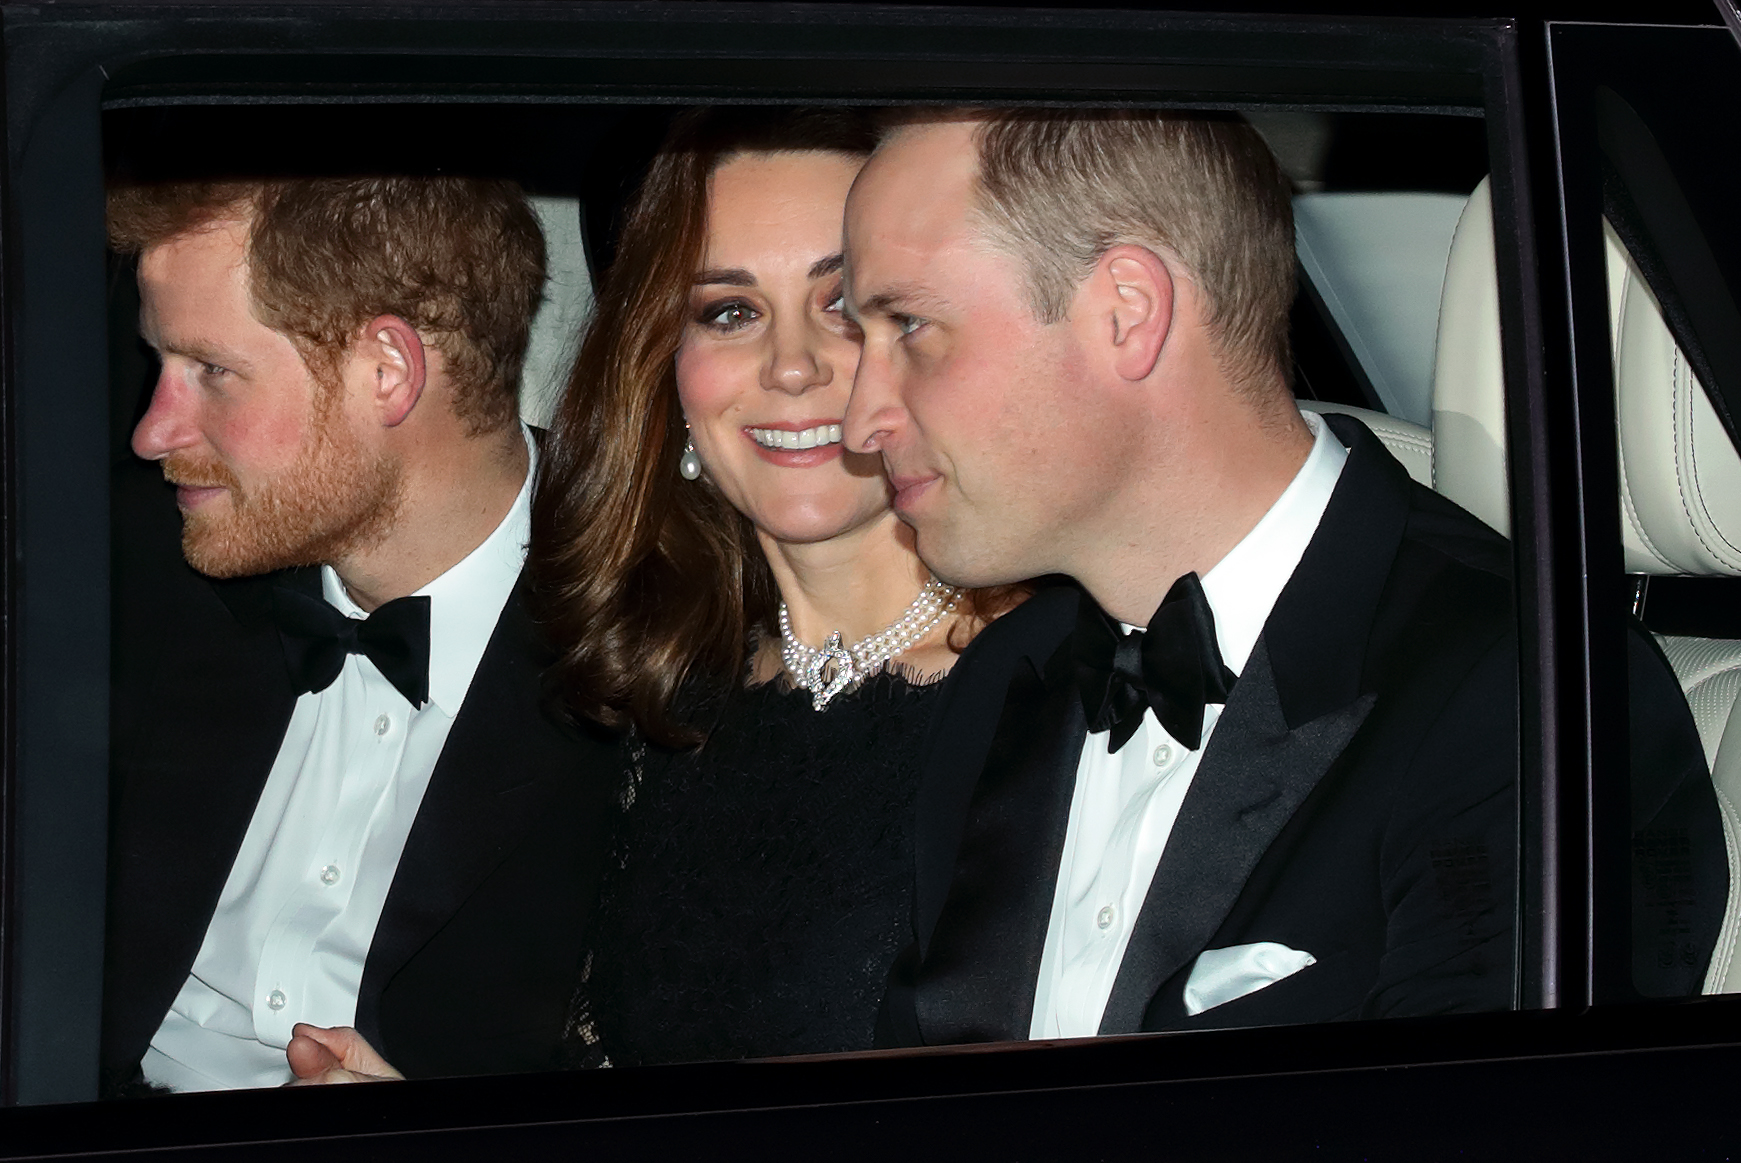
{"x":722,"y":276}
{"x":899,"y":301}
{"x":200,"y":351}
{"x":823,"y":267}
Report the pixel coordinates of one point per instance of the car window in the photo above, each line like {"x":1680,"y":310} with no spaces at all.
{"x":1651,"y":214}
{"x":1376,"y":240}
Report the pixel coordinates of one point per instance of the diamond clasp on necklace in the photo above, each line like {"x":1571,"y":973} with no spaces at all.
{"x":833,"y":667}
{"x":820,"y":684}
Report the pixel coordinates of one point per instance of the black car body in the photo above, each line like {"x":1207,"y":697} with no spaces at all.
{"x":1582,"y":1067}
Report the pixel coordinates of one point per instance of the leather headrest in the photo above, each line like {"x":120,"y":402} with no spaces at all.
{"x":1468,"y":375}
{"x":1680,"y":477}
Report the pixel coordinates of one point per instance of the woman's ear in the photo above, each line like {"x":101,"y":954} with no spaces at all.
{"x":393,"y":352}
{"x":1137,"y":297}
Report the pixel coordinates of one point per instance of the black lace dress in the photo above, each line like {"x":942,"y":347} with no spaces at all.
{"x":761,"y":886}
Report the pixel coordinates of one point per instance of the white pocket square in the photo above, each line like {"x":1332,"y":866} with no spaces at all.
{"x":1221,"y":975}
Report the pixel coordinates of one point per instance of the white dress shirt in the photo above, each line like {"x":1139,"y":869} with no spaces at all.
{"x":293,"y":926}
{"x":1124,"y":805}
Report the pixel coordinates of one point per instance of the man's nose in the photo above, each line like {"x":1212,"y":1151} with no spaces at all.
{"x":873,"y":413}
{"x":168,"y":423}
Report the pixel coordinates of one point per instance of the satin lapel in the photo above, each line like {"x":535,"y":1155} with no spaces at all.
{"x":1253,"y":776}
{"x":977,"y":982}
{"x":500,"y":764}
{"x":966,"y":725}
{"x":1299,"y":701}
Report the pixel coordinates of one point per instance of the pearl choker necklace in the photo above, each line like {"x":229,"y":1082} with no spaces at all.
{"x":810,"y":666}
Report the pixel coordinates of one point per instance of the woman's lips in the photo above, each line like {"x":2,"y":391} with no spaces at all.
{"x":817,"y":454}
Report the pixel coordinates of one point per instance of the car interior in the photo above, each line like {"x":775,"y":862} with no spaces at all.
{"x":1397,"y":323}
{"x":1415,"y":313}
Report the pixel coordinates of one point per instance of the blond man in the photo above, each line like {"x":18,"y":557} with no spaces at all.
{"x":1259,"y":763}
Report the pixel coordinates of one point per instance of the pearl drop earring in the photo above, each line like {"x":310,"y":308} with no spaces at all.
{"x":689,"y":464}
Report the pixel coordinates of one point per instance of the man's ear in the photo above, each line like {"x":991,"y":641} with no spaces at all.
{"x":1137,"y":304}
{"x":393,"y":352}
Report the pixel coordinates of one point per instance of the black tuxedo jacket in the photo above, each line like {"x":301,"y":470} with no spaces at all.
{"x":1357,"y":799}
{"x":477,"y":951}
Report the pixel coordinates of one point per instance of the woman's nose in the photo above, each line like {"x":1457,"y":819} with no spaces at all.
{"x":797,"y":364}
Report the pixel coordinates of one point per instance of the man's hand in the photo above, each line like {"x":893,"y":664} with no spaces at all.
{"x":323,"y":1057}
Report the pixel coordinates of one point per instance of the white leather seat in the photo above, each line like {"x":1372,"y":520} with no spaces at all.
{"x":1468,"y":376}
{"x":1462,"y":455}
{"x":1680,"y":483}
{"x":1377,"y":260}
{"x":1680,"y":486}
{"x":1407,"y":441}
{"x":567,"y":301}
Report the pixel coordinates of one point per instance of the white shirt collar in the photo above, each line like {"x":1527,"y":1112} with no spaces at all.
{"x":466,"y":601}
{"x":1244,"y":585}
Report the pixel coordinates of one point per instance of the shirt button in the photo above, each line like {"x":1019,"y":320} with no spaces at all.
{"x":1104,"y":917}
{"x":1163,"y":755}
{"x":275,"y":999}
{"x":330,"y":874}
{"x":382,"y":724}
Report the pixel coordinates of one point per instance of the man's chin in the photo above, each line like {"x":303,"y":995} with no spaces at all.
{"x":216,"y":562}
{"x":955,"y":569}
{"x":219,"y":552}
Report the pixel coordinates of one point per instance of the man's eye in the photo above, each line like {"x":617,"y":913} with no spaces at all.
{"x":907,"y":324}
{"x":212,"y":375}
{"x":729,"y":316}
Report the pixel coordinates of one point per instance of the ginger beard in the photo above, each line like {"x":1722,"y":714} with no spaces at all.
{"x":334,"y":500}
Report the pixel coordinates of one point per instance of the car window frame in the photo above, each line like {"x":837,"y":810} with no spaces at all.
{"x":62,"y":65}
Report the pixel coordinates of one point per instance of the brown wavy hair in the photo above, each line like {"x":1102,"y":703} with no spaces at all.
{"x":644,"y":580}
{"x":460,"y":259}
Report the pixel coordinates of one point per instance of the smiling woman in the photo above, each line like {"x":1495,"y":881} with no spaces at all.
{"x":750,"y":587}
{"x":766,"y":361}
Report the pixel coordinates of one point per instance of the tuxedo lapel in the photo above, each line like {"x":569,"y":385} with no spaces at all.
{"x":1254,"y":774}
{"x":984,"y":953}
{"x":1299,"y":702}
{"x":969,"y":716}
{"x":500,"y":765}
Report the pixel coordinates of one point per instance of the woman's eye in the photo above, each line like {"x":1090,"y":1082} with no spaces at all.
{"x":729,"y":316}
{"x":835,"y":302}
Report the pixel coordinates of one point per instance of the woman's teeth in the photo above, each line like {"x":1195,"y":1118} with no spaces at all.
{"x":784,"y":438}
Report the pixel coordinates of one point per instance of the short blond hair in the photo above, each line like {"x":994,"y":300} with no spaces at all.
{"x":1059,"y":188}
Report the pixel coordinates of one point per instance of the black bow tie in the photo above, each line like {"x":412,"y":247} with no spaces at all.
{"x":317,"y":637}
{"x":1174,"y":666}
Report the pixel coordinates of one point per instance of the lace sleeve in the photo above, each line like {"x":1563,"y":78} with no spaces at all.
{"x":583,"y":1045}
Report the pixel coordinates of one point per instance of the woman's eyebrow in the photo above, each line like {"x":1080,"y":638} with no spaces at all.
{"x":738,"y":277}
{"x":732,"y":277}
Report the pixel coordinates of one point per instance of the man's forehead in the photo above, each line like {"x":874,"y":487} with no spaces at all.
{"x":917,"y":203}
{"x":216,"y":246}
{"x":929,"y":159}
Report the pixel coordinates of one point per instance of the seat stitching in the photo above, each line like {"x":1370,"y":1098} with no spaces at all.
{"x":1721,"y":551}
{"x":1724,"y":953}
{"x":1631,"y":506}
